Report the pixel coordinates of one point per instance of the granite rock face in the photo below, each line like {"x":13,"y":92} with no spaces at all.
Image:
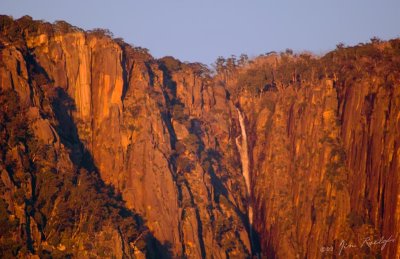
{"x":321,"y":157}
{"x":325,"y":163}
{"x":152,"y":134}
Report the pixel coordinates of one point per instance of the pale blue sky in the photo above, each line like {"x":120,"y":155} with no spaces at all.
{"x":202,"y":30}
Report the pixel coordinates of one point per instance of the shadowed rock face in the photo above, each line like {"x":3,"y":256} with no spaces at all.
{"x":322,"y":151}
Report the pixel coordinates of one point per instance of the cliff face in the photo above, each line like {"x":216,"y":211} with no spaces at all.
{"x":326,"y":157}
{"x":152,"y":133}
{"x":315,"y":156}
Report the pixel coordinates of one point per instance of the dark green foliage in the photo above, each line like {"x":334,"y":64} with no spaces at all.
{"x":227,"y":68}
{"x":243,"y":60}
{"x":5,"y":21}
{"x":254,"y":80}
{"x":344,"y":63}
{"x":101,"y":33}
{"x":64,"y":201}
{"x":178,"y":113}
{"x":62,"y":27}
{"x":288,"y":52}
{"x":170,"y":63}
{"x":26,"y":23}
{"x":14,"y":132}
{"x":13,"y":124}
{"x":219,"y":65}
{"x":16,"y":30}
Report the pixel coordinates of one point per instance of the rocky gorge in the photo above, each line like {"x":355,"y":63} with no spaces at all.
{"x":109,"y":152}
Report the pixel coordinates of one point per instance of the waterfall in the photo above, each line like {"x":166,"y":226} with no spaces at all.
{"x":244,"y":157}
{"x":243,"y":150}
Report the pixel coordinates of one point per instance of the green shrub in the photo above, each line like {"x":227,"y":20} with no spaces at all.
{"x":170,"y":63}
{"x":178,"y":113}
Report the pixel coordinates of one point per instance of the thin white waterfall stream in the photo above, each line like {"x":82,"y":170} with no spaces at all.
{"x":244,"y":157}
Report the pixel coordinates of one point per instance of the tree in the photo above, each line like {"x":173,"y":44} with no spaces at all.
{"x":340,"y":45}
{"x":170,"y":63}
{"x":376,"y":40}
{"x":231,"y":63}
{"x":62,"y":26}
{"x":289,"y":52}
{"x":243,"y":60}
{"x":99,"y":32}
{"x":220,"y":65}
